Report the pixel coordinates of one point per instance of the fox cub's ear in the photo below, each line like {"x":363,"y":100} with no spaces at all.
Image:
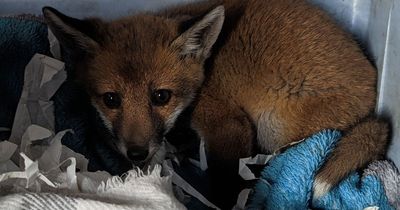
{"x":77,"y":35}
{"x":197,"y":41}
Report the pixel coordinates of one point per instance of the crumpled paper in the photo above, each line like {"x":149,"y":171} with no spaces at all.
{"x":55,"y":48}
{"x":184,"y":185}
{"x":30,"y":175}
{"x":43,"y":76}
{"x":244,"y":170}
{"x":34,"y":152}
{"x":7,"y":149}
{"x":246,"y":174}
{"x":202,"y":163}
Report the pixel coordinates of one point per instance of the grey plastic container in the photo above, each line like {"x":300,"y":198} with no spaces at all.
{"x":375,"y":23}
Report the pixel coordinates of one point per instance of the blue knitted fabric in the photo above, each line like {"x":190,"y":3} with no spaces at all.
{"x":286,"y":182}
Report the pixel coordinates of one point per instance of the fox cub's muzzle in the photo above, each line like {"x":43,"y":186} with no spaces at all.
{"x":137,"y":154}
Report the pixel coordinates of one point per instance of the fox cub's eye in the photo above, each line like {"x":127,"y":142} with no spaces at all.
{"x":161,"y":97}
{"x":112,"y":100}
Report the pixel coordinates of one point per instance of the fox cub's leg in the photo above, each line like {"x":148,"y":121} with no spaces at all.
{"x":363,"y":143}
{"x":228,"y":135}
{"x":226,"y":129}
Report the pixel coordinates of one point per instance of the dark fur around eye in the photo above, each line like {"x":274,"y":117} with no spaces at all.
{"x":161,"y":97}
{"x":112,"y":100}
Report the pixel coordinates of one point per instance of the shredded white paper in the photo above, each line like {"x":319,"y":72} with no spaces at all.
{"x":4,"y":129}
{"x":7,"y":149}
{"x":33,"y":148}
{"x":247,"y":174}
{"x":244,"y":170}
{"x":242,"y":199}
{"x":43,"y":76}
{"x":54,"y":45}
{"x":202,"y":163}
{"x":203,"y":156}
{"x":184,"y":185}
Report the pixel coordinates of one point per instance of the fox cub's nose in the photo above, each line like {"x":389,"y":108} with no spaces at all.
{"x":137,"y":154}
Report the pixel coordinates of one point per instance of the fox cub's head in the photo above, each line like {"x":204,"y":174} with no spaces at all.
{"x":140,"y":71}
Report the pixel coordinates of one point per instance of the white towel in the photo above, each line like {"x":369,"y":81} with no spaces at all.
{"x":136,"y":191}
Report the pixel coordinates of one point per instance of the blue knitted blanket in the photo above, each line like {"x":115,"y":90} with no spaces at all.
{"x":286,"y":182}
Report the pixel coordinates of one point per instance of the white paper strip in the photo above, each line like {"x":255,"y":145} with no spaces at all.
{"x":203,"y":156}
{"x":7,"y":149}
{"x":242,"y":199}
{"x":244,"y":170}
{"x":180,"y":182}
{"x":31,"y":173}
{"x":54,"y":45}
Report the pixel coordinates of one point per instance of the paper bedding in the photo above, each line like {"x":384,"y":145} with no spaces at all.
{"x":59,"y":177}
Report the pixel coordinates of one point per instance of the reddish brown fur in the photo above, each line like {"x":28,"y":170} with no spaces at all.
{"x":280,"y":66}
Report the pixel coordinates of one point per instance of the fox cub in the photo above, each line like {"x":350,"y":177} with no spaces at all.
{"x":258,"y":75}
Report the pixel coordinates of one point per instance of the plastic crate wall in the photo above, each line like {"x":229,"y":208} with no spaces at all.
{"x":376,"y":24}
